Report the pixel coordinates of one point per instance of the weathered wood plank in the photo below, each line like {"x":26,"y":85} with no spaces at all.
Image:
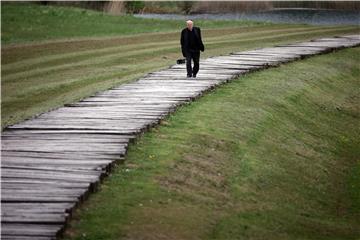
{"x":28,"y":230}
{"x":37,"y":207}
{"x":21,"y":237}
{"x":74,"y":168}
{"x":38,"y":198}
{"x":48,"y":174}
{"x":45,"y":182}
{"x":45,"y":218}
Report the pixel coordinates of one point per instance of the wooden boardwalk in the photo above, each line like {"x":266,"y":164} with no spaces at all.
{"x":52,"y":162}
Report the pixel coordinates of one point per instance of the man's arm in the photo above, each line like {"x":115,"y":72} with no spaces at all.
{"x":182,"y":42}
{"x":202,"y":48}
{"x":182,"y":38}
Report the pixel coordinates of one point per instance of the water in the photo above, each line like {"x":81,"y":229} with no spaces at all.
{"x":306,"y":16}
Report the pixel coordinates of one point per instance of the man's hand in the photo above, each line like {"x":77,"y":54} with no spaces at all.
{"x":183,"y":53}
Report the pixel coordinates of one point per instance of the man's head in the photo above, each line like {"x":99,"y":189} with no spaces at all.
{"x":189,"y":24}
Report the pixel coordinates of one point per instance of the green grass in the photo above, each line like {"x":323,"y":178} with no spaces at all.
{"x":272,"y":155}
{"x":25,"y":22}
{"x":91,"y":51}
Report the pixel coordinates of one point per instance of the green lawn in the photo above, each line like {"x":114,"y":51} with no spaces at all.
{"x":91,"y":51}
{"x":272,"y":155}
{"x":24,"y":22}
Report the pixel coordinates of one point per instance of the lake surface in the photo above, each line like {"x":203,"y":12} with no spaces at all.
{"x":307,"y":16}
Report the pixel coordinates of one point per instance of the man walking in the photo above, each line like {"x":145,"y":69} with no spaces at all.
{"x":191,"y":45}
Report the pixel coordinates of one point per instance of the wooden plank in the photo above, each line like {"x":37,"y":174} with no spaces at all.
{"x":6,"y":172}
{"x":73,"y":168}
{"x":48,"y":175}
{"x":42,"y":191}
{"x":38,"y":230}
{"x":39,"y":198}
{"x":60,"y":136}
{"x":37,"y":207}
{"x":45,"y":182}
{"x":45,"y":218}
{"x":61,"y":157}
{"x":76,"y":129}
{"x":44,"y":187}
{"x":65,"y":131}
{"x":20,"y":237}
{"x":259,"y":53}
{"x":43,"y":195}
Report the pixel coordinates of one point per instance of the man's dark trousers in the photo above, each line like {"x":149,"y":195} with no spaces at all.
{"x":195,"y":57}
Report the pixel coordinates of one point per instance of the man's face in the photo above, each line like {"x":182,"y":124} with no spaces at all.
{"x":189,"y":25}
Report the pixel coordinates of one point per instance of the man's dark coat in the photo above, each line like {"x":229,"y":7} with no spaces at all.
{"x":185,"y":40}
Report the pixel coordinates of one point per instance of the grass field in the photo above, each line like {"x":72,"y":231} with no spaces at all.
{"x":55,"y":55}
{"x":32,"y":22}
{"x":272,"y":155}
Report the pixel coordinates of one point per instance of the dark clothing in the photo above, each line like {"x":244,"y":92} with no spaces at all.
{"x":191,"y":45}
{"x":192,"y":41}
{"x":195,"y":56}
{"x":194,"y":37}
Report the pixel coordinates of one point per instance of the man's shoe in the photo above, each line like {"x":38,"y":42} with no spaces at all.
{"x":189,"y":76}
{"x":194,"y":76}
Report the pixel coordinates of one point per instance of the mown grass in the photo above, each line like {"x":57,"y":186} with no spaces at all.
{"x":26,"y":22}
{"x":272,"y":155}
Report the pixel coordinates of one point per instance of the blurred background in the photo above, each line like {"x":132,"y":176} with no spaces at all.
{"x":310,"y":12}
{"x":120,"y":7}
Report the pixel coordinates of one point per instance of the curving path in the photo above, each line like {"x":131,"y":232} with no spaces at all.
{"x":52,"y":162}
